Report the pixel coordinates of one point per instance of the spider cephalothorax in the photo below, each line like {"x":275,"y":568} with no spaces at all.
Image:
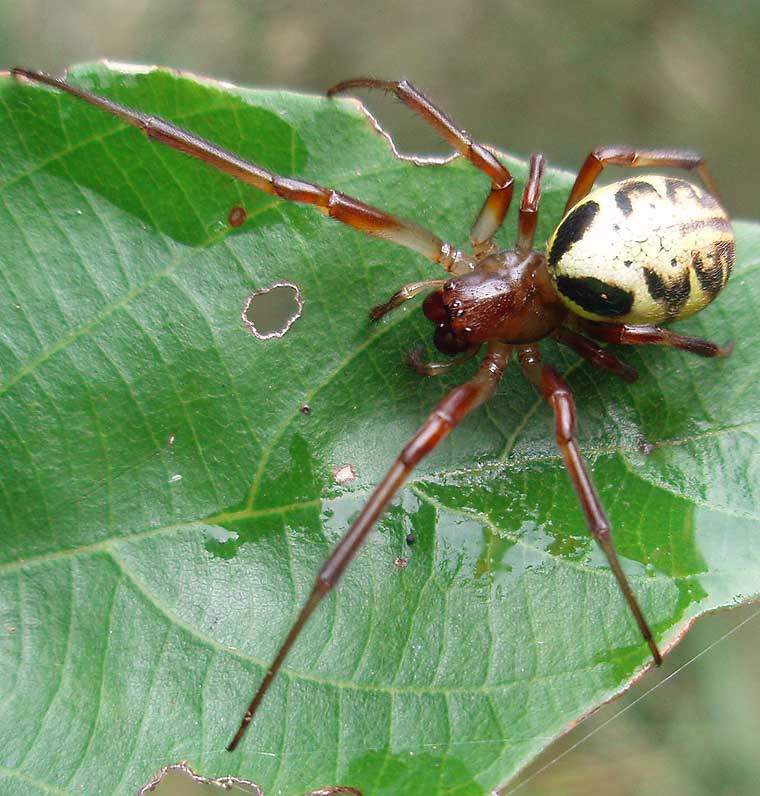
{"x":507,"y":297}
{"x":635,"y":253}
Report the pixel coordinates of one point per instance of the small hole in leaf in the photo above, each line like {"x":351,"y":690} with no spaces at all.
{"x":344,"y":474}
{"x":270,"y":312}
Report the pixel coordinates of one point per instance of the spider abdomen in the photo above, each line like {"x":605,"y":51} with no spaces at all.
{"x":642,"y":251}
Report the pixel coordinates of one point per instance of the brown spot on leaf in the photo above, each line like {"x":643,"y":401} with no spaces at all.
{"x":237,"y":217}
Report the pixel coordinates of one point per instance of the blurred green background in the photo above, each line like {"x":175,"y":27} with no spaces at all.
{"x":525,"y":75}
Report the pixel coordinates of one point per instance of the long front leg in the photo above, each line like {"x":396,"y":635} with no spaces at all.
{"x":636,"y":158}
{"x":497,"y":202}
{"x":337,"y":205}
{"x":556,"y":393}
{"x":440,"y":422}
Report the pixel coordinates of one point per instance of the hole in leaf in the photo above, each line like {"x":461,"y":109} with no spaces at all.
{"x":270,"y":312}
{"x":179,"y":780}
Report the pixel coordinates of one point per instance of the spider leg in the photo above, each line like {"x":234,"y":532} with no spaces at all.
{"x":635,"y":158}
{"x":337,"y":205}
{"x":556,"y":393}
{"x":502,"y":183}
{"x":401,"y":295}
{"x":528,"y":216}
{"x":626,"y":334}
{"x":415,"y":362}
{"x":454,"y":407}
{"x":595,"y":354}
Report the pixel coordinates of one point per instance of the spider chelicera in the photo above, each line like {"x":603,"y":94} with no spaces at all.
{"x":624,"y":259}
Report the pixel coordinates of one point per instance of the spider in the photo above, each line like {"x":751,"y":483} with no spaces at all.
{"x":624,"y":259}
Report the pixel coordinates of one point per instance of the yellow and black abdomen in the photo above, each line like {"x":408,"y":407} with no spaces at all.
{"x":642,"y":251}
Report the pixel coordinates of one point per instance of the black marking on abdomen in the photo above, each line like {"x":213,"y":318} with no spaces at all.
{"x":572,"y":230}
{"x":726,"y":252}
{"x":593,"y":295}
{"x":673,"y":294}
{"x":675,"y":189}
{"x":710,"y":275}
{"x":623,"y":194}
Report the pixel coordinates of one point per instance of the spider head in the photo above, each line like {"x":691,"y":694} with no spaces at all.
{"x":442,"y":311}
{"x":508,"y":297}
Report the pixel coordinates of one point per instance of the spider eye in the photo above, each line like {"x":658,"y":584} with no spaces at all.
{"x":434,"y":308}
{"x":447,"y":342}
{"x":444,"y":338}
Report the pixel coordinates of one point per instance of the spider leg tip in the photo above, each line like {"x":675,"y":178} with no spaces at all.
{"x":377,"y":312}
{"x":338,"y":88}
{"x":414,"y":357}
{"x":725,"y":350}
{"x":631,"y":375}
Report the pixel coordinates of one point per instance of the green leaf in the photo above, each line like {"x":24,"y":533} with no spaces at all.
{"x":165,"y":502}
